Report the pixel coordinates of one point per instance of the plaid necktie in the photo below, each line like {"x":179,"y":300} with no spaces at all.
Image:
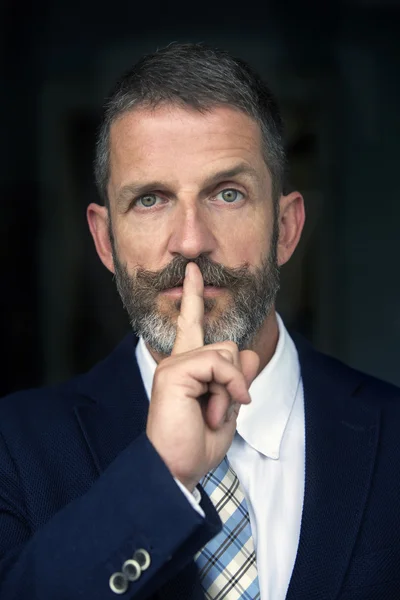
{"x":227,"y":564}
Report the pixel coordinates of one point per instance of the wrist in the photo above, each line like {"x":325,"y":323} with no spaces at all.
{"x":188,"y":482}
{"x":189,"y":485}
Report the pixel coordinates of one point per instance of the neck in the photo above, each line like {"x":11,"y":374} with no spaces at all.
{"x":264,"y":343}
{"x":266,"y":340}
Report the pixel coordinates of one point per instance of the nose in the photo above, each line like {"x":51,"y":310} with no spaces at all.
{"x":191,"y":235}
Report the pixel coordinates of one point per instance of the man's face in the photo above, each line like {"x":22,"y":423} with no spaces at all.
{"x":186,"y":186}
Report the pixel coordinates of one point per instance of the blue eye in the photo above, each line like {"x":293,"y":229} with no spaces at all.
{"x":148,"y":200}
{"x":230,"y":195}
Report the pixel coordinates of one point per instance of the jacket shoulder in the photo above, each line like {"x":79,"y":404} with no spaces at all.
{"x":46,"y":398}
{"x":65,"y":394}
{"x":333,"y":372}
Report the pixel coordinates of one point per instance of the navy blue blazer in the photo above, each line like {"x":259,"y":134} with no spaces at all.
{"x":82,"y":488}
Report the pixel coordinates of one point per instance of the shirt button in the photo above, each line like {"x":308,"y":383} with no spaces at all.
{"x":118,"y":583}
{"x":131,"y":569}
{"x":143,"y":558}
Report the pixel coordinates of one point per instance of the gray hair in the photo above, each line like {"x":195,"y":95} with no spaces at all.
{"x":200,"y":77}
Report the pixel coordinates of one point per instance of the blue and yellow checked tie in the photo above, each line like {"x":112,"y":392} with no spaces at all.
{"x":227,"y":564}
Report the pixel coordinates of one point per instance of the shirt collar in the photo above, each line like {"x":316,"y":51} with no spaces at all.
{"x":263,"y":422}
{"x":147,"y":365}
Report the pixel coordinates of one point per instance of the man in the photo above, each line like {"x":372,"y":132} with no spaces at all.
{"x":260,"y":468}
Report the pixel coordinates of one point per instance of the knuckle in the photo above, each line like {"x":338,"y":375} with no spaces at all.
{"x":219,"y":353}
{"x":213,"y":355}
{"x":162,"y":365}
{"x":226,"y":354}
{"x":162,"y":369}
{"x":231,"y":346}
{"x":158,"y":377}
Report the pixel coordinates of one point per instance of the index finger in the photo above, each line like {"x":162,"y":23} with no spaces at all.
{"x":189,"y":331}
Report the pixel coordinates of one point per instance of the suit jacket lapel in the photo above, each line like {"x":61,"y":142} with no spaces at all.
{"x":114,"y":406}
{"x":341,"y":443}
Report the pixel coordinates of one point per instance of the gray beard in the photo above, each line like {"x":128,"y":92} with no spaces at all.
{"x":252,"y":294}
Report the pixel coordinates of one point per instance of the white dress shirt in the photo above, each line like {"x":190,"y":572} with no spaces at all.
{"x":268,"y":456}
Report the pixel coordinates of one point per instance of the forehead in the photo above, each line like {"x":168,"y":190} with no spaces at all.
{"x":171,"y":142}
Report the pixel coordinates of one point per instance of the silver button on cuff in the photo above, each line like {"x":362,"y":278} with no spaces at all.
{"x":131,"y":569}
{"x":143,"y":558}
{"x":118,"y":583}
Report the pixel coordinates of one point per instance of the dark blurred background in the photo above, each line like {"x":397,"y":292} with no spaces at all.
{"x":335,"y":69}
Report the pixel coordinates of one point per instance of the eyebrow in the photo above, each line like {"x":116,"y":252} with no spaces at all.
{"x":139,"y":189}
{"x":240,"y":169}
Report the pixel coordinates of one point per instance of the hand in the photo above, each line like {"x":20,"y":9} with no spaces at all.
{"x":193,"y":435}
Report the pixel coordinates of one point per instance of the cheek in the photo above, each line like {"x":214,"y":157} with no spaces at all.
{"x":245,"y":241}
{"x":140,"y":246}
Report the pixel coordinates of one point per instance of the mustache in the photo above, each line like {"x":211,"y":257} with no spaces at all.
{"x":214,"y":274}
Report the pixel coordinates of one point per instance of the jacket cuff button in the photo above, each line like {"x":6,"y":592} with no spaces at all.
{"x":143,"y":558}
{"x":118,"y":583}
{"x":131,"y":570}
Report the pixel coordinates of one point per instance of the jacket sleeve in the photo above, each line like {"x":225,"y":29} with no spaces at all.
{"x":134,"y":505}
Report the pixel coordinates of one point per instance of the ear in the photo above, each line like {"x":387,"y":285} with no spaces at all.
{"x":291,"y":222}
{"x":98,"y":221}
